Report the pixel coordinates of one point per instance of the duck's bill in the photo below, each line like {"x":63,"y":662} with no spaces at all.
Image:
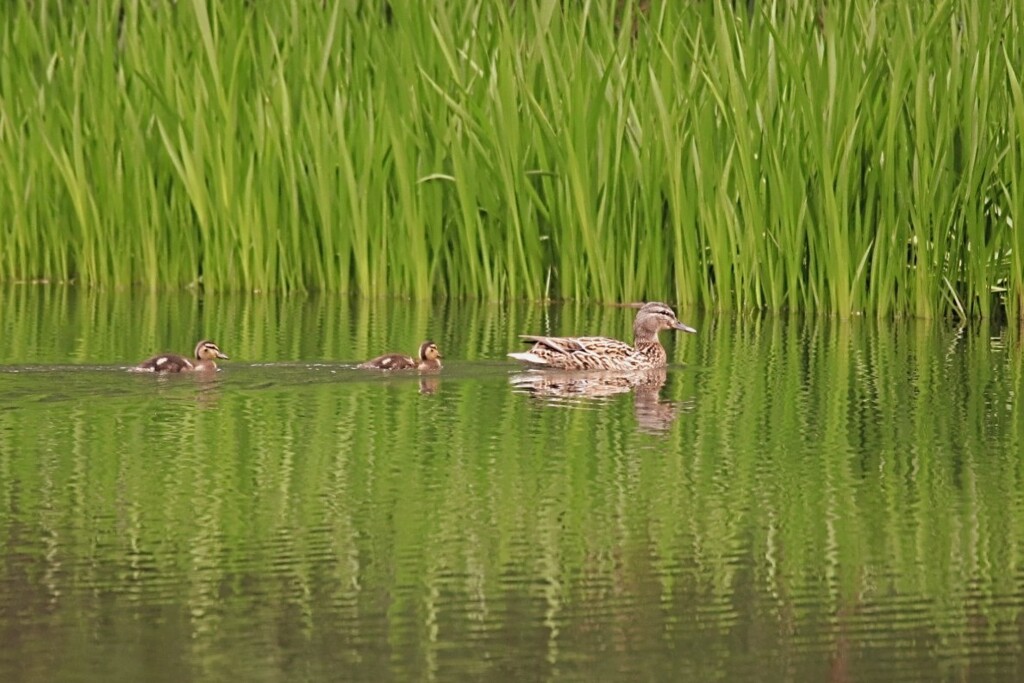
{"x":685,"y":328}
{"x":221,"y":354}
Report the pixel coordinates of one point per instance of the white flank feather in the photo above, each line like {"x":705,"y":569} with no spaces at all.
{"x":529,"y":357}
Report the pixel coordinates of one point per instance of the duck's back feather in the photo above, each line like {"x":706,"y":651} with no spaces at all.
{"x":167,"y":362}
{"x":391,"y":361}
{"x":580,"y":353}
{"x":579,"y":344}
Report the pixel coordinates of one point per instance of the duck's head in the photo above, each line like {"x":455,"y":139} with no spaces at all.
{"x":207,"y":350}
{"x":654,"y":317}
{"x":428,"y":351}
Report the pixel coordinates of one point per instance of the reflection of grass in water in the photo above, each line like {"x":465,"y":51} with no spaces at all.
{"x":825,"y":471}
{"x":521,"y":150}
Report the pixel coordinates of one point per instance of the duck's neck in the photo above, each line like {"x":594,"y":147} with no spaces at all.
{"x":648,"y":345}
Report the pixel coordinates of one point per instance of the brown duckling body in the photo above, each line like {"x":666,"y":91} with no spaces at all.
{"x":603,"y":353}
{"x":205,"y":353}
{"x":429,"y":359}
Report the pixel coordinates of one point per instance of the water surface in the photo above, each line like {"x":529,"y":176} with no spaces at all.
{"x":793,"y":499}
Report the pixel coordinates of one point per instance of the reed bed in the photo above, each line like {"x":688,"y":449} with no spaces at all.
{"x":848,"y":158}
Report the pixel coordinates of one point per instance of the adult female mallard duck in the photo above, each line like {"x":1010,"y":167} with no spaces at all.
{"x":205,"y":352}
{"x":603,"y":353}
{"x":430,"y":359}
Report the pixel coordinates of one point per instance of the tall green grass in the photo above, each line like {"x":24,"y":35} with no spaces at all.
{"x":859,"y":157}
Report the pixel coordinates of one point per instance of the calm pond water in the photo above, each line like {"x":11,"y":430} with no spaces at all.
{"x":795,"y":499}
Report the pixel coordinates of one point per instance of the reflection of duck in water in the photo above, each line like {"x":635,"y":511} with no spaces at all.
{"x":653,"y":414}
{"x":430,"y":359}
{"x":604,"y":353}
{"x":567,"y":388}
{"x":205,"y":352}
{"x":429,"y":385}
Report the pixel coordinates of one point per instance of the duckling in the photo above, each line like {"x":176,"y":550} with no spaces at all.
{"x":603,"y":353}
{"x":205,"y":352}
{"x":430,"y":359}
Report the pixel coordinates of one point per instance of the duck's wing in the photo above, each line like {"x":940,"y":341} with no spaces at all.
{"x":166,"y":362}
{"x":576,"y":353}
{"x":557,"y":344}
{"x":390,"y":361}
{"x":579,"y":344}
{"x":547,"y":351}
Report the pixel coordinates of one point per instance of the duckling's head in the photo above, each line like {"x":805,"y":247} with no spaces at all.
{"x":207,"y":350}
{"x":428,"y":351}
{"x":654,"y":317}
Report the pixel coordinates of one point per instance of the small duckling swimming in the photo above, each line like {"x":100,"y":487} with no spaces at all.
{"x":205,"y":352}
{"x":430,"y":359}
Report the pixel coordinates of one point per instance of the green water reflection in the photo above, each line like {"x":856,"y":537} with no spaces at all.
{"x":794,"y":500}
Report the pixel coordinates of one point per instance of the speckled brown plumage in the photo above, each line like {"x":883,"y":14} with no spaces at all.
{"x":604,"y":353}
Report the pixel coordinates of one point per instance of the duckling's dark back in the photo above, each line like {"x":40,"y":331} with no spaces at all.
{"x":390,"y":361}
{"x":167,"y":362}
